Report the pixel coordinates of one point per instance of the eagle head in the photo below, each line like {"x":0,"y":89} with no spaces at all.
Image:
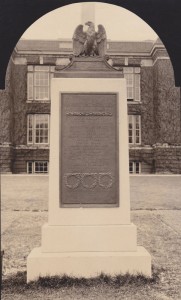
{"x":89,"y":23}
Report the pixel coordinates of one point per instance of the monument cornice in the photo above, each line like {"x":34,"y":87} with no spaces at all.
{"x":88,"y":65}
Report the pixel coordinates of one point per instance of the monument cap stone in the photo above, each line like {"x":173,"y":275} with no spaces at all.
{"x":88,"y":67}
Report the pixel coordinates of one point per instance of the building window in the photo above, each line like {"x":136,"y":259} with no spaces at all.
{"x":38,"y":129}
{"x":134,"y":129}
{"x":132,"y":75}
{"x":38,"y":81}
{"x":38,"y":167}
{"x":134,"y":167}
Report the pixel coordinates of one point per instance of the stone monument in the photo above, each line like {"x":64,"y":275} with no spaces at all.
{"x":89,"y":229}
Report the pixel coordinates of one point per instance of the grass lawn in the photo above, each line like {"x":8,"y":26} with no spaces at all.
{"x":156,"y":210}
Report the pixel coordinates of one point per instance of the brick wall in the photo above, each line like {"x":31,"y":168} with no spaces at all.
{"x":6,"y":158}
{"x":147,"y":118}
{"x":160,"y":111}
{"x":6,"y":116}
{"x":21,"y":157}
{"x":6,"y":109}
{"x":18,"y":82}
{"x":21,"y":107}
{"x":145,"y":156}
{"x":167,"y":108}
{"x":168,"y":159}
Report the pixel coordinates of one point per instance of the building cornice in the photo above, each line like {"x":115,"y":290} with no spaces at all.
{"x":155,"y":48}
{"x":147,"y":57}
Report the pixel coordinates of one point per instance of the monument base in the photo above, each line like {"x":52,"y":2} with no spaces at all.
{"x":87,"y":264}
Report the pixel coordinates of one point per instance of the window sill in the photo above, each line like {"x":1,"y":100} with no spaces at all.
{"x":135,"y":145}
{"x":30,"y":146}
{"x":38,"y":101}
{"x":134,"y":174}
{"x":37,"y":174}
{"x":133,"y":102}
{"x":39,"y":146}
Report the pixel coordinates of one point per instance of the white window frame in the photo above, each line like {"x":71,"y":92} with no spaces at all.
{"x":34,"y":166}
{"x":32,"y":85}
{"x":34,"y":118}
{"x":134,"y":166}
{"x":134,"y":129}
{"x":133,"y":75}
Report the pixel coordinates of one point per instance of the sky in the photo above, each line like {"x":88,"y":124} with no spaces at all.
{"x":120,"y":24}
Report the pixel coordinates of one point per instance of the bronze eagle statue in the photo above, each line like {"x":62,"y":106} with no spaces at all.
{"x":90,"y":42}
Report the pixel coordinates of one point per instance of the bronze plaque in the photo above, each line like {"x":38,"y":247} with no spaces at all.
{"x":89,"y":149}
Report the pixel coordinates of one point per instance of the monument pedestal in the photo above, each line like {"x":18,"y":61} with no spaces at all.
{"x":88,"y":264}
{"x":89,"y":229}
{"x":88,"y":251}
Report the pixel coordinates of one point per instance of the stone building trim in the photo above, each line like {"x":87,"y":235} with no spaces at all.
{"x":32,"y":147}
{"x":147,"y":62}
{"x":160,"y":58}
{"x":19,"y":60}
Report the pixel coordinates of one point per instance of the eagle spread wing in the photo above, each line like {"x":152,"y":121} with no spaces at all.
{"x":79,"y":38}
{"x":101,"y":39}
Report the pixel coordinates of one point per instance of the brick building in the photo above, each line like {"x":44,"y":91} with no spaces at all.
{"x":154,"y":105}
